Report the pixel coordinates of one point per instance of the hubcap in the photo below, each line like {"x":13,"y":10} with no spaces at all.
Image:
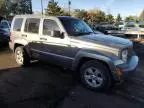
{"x":19,"y":56}
{"x":93,"y":77}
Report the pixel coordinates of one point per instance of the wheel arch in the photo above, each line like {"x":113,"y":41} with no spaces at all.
{"x":19,"y":42}
{"x":22,"y":43}
{"x":84,"y":57}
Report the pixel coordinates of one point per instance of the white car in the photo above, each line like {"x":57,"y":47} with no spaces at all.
{"x":134,"y":29}
{"x":121,"y":25}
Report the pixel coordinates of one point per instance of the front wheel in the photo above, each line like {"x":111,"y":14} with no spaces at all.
{"x":95,"y":75}
{"x":21,"y":56}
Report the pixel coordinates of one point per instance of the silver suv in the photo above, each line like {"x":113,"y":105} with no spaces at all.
{"x":100,"y":60}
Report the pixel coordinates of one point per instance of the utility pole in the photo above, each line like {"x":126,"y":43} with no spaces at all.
{"x":42,"y":7}
{"x":69,"y":7}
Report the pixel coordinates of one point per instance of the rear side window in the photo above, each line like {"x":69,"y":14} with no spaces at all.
{"x":4,"y":24}
{"x":32,"y":25}
{"x":17,"y":24}
{"x":50,"y":25}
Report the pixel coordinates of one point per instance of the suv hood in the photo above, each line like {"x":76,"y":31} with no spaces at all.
{"x":106,"y":40}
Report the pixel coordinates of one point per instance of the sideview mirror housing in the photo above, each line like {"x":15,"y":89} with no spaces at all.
{"x":57,"y":34}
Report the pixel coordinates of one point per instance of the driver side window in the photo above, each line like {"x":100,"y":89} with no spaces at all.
{"x":50,"y":25}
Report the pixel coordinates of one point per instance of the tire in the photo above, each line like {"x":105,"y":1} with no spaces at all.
{"x":100,"y":78}
{"x":21,"y":56}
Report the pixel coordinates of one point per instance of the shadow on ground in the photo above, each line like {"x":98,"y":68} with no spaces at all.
{"x":36,"y":86}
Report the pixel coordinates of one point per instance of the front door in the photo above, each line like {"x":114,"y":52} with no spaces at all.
{"x":55,"y":48}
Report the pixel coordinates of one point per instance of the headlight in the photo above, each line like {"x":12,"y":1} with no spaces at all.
{"x":124,"y":55}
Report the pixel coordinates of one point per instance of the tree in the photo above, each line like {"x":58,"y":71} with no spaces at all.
{"x":95,"y":16}
{"x":142,"y":15}
{"x":53,"y":9}
{"x":109,"y":18}
{"x":13,"y":7}
{"x":131,"y":18}
{"x":1,"y":3}
{"x":118,"y":18}
{"x":81,"y":14}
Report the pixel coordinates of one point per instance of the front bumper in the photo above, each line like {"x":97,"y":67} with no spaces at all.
{"x":124,"y":71}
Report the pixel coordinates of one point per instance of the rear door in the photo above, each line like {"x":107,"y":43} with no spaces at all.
{"x":16,"y":28}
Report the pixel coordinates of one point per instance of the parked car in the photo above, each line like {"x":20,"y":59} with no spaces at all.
{"x":108,"y":28}
{"x":5,"y":25}
{"x":4,"y":37}
{"x":100,"y":60}
{"x":121,"y":25}
{"x":134,"y":29}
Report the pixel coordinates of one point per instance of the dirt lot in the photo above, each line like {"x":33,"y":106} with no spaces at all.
{"x":43,"y":85}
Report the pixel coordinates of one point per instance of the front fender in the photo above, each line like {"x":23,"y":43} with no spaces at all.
{"x":92,"y":55}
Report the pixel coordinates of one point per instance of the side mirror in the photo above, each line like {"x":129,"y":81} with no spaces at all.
{"x":57,"y":34}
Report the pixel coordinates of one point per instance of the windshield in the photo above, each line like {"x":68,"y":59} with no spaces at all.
{"x":75,"y":27}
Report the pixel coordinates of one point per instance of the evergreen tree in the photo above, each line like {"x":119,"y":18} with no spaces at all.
{"x":13,"y":7}
{"x":53,"y":9}
{"x":109,"y":18}
{"x":118,"y":18}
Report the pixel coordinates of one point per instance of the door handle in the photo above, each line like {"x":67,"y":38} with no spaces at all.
{"x":43,"y":39}
{"x":24,"y":35}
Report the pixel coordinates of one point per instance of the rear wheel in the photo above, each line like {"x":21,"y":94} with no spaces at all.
{"x":95,"y":75}
{"x":21,"y":56}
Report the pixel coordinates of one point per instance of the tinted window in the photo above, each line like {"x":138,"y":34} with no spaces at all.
{"x":75,"y":27}
{"x":17,"y":24}
{"x":32,"y":25}
{"x":49,"y":25}
{"x":130,"y":26}
{"x":142,"y":26}
{"x":4,"y":24}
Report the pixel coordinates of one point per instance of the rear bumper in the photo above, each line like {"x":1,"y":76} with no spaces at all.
{"x":124,"y":71}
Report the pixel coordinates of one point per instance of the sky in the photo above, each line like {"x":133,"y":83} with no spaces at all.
{"x":124,"y":7}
